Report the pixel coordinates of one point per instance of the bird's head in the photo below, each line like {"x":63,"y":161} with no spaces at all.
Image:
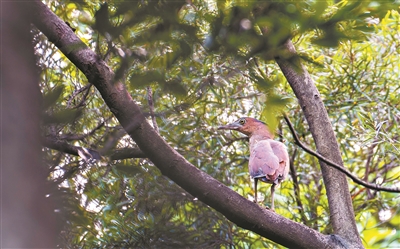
{"x":247,"y":126}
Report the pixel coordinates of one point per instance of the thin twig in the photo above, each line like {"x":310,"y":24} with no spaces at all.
{"x":78,"y":91}
{"x":117,"y":154}
{"x":335,"y":165}
{"x":368,"y":164}
{"x":73,"y":137}
{"x":151,"y":106}
{"x":296,"y":187}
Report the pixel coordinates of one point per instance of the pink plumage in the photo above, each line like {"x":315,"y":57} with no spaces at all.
{"x":269,"y":159}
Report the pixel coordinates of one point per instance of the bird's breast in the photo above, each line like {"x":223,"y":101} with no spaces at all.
{"x":263,"y":163}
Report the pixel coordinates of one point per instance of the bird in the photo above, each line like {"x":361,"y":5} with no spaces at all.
{"x":269,"y":159}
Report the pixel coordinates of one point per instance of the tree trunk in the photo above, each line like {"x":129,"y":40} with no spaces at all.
{"x":340,"y":205}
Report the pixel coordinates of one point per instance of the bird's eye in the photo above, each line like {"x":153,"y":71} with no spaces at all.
{"x":242,"y":121}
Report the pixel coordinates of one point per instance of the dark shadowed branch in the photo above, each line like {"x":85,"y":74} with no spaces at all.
{"x":117,"y":154}
{"x":73,"y":137}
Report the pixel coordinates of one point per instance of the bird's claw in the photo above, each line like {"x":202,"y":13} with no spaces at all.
{"x":270,"y":209}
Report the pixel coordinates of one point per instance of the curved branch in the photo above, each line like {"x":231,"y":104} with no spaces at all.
{"x":335,"y":165}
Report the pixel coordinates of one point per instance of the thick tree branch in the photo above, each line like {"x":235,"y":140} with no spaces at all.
{"x":340,"y":205}
{"x":335,"y":165}
{"x":239,"y":210}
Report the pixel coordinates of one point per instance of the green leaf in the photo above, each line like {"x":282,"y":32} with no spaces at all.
{"x":141,"y":79}
{"x":51,"y":97}
{"x":62,"y":117}
{"x":128,"y":170}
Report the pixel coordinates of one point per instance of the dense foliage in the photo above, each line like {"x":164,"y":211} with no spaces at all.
{"x":195,"y":65}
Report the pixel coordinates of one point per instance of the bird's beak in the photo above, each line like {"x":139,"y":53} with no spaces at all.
{"x":232,"y":126}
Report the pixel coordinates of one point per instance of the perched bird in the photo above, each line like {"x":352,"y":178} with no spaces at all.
{"x":269,"y":159}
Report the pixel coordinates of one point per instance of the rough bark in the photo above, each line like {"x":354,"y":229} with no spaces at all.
{"x":340,"y":205}
{"x":27,"y":218}
{"x":236,"y":208}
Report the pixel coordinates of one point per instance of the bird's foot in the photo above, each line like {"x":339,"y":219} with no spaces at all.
{"x":266,"y":207}
{"x":270,"y":209}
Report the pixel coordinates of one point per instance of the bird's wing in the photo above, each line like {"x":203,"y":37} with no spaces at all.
{"x":281,"y":152}
{"x":263,"y":162}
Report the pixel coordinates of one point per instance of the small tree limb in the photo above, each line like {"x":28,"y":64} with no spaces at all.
{"x":151,"y":107}
{"x":335,"y":165}
{"x":119,"y":154}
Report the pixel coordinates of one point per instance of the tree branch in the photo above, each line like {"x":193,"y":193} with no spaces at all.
{"x":335,"y":165}
{"x":82,"y":136}
{"x":85,"y":89}
{"x":127,"y":153}
{"x":296,"y":187}
{"x":235,"y":207}
{"x":119,"y":154}
{"x":151,"y":107}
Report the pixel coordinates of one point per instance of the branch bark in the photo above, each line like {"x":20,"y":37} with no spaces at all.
{"x":340,"y":205}
{"x":236,"y":208}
